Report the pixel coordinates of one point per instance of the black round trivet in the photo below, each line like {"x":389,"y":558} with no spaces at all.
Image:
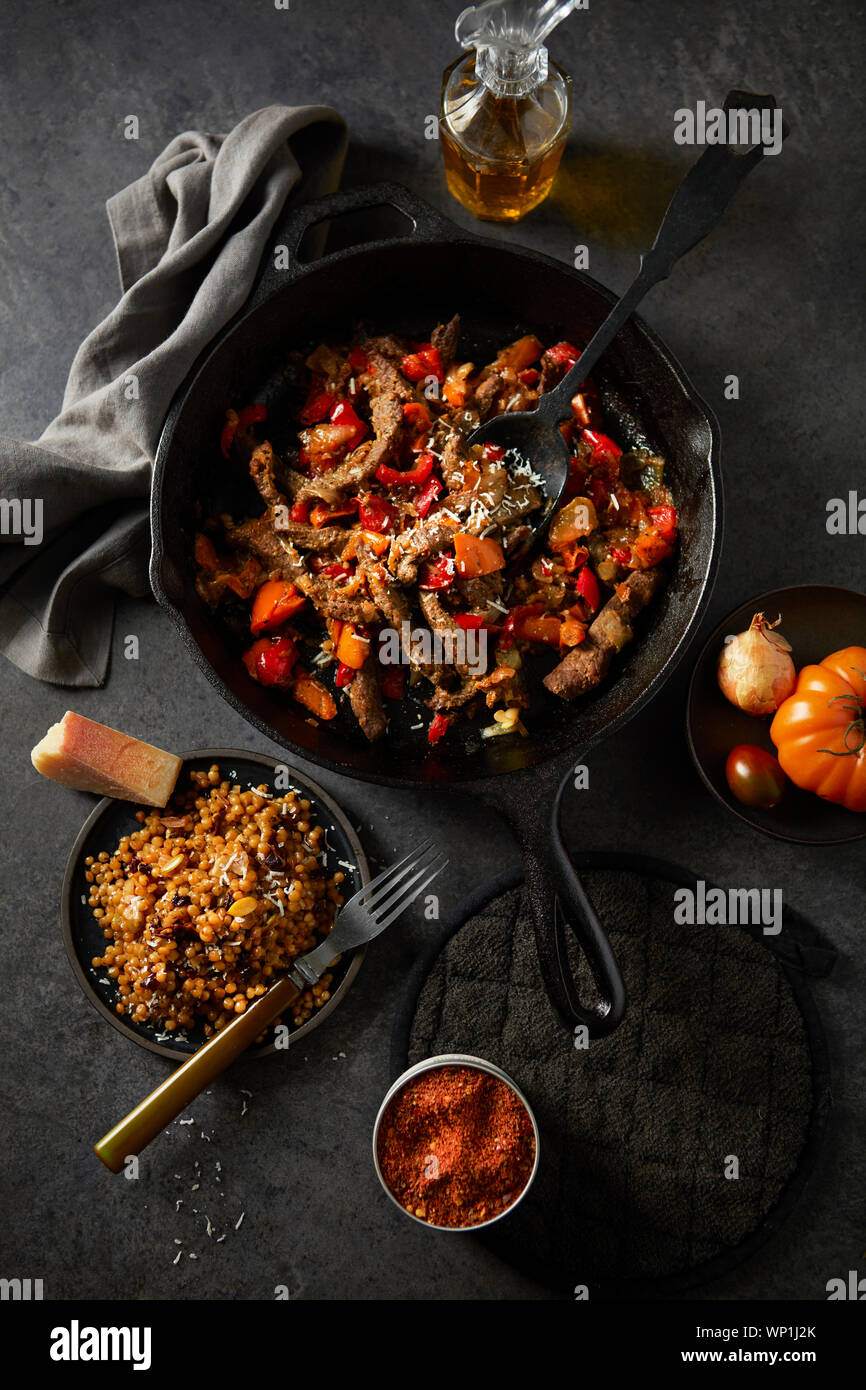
{"x":721,"y":1055}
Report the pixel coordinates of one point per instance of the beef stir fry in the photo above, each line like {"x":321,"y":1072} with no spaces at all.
{"x":377,"y":570}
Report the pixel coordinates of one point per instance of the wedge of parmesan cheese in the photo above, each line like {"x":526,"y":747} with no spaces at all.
{"x":90,"y":757}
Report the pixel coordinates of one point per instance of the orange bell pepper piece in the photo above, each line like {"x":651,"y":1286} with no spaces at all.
{"x":275,"y":602}
{"x":520,"y":354}
{"x":352,"y":649}
{"x":313,"y":695}
{"x":477,"y":555}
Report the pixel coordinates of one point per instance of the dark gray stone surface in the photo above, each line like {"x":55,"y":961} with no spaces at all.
{"x":773,"y":288}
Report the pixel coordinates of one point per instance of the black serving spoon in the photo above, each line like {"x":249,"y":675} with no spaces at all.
{"x":692,"y":213}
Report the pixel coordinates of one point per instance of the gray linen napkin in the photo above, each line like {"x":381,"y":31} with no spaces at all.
{"x":189,"y":236}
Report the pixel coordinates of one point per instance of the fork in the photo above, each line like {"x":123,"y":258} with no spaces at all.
{"x":373,"y":908}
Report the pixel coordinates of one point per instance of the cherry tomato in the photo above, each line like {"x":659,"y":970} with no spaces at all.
{"x":754,"y":776}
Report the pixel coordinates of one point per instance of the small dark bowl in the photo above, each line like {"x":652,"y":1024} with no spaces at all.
{"x":111,"y":819}
{"x":817,"y":619}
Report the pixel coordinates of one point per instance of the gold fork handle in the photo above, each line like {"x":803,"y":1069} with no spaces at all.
{"x":168,"y":1100}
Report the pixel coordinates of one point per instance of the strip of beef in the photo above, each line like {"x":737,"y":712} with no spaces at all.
{"x":518,"y":501}
{"x":477,"y":593}
{"x":444,"y":626}
{"x":443,"y":698}
{"x":552,"y":372}
{"x":454,"y":453}
{"x":395,"y":608}
{"x":437,"y":531}
{"x":486,"y":393}
{"x":362,"y":463}
{"x":365,"y":698}
{"x":388,"y":597}
{"x":587,"y":665}
{"x":515,"y":539}
{"x":384,"y":377}
{"x":262,"y":467}
{"x":445,"y":337}
{"x":326,"y":597}
{"x":269,"y":545}
{"x":410,"y":548}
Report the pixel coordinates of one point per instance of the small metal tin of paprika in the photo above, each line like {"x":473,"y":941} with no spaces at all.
{"x":455,"y":1059}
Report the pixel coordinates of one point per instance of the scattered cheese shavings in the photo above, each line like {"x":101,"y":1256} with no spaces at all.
{"x":239,"y":1220}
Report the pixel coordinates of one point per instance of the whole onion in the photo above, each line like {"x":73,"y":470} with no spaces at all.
{"x":755,"y":671}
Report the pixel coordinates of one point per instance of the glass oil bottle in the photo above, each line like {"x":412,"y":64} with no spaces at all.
{"x":505,"y":109}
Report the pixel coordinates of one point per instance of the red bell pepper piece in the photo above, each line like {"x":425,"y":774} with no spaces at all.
{"x":494,"y":453}
{"x":563,"y":354}
{"x":530,"y":622}
{"x":598,"y":490}
{"x":334,"y":570}
{"x":587,"y":587}
{"x":423,"y":363}
{"x":300,"y":512}
{"x":358,"y":360}
{"x":343,"y":413}
{"x":521,"y":611}
{"x":665,"y":521}
{"x":573,"y":556}
{"x":410,"y":477}
{"x":427,"y":496}
{"x":530,"y":377}
{"x":605,"y":452}
{"x":271,"y":659}
{"x":375,"y":513}
{"x":318,"y":407}
{"x":415,"y":413}
{"x":322,"y":513}
{"x":394,"y":682}
{"x":620,"y":553}
{"x":345,"y":675}
{"x":252,"y":415}
{"x":474,"y":622}
{"x":438,"y":726}
{"x":438,"y":574}
{"x":229,"y":430}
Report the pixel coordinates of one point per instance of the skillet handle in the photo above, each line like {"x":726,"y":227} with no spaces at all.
{"x":553,"y":885}
{"x":423,"y":223}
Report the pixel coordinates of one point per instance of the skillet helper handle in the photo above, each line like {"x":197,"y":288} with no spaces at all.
{"x":164,"y":1104}
{"x":423,"y":223}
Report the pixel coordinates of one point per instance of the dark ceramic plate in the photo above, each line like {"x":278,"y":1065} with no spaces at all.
{"x":112,"y":819}
{"x":817,"y":619}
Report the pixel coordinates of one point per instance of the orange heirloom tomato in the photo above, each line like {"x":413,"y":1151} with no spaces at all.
{"x":820,"y":730}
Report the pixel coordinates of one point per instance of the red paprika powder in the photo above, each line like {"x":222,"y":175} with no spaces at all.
{"x":456,"y":1146}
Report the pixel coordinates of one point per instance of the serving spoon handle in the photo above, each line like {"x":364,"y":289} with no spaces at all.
{"x":694,"y":210}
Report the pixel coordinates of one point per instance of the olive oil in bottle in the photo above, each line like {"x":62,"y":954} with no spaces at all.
{"x":505,"y":110}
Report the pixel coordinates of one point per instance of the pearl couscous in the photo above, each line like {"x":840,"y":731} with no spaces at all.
{"x":209,"y":901}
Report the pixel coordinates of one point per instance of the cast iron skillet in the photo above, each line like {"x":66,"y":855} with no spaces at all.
{"x":406,"y":284}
